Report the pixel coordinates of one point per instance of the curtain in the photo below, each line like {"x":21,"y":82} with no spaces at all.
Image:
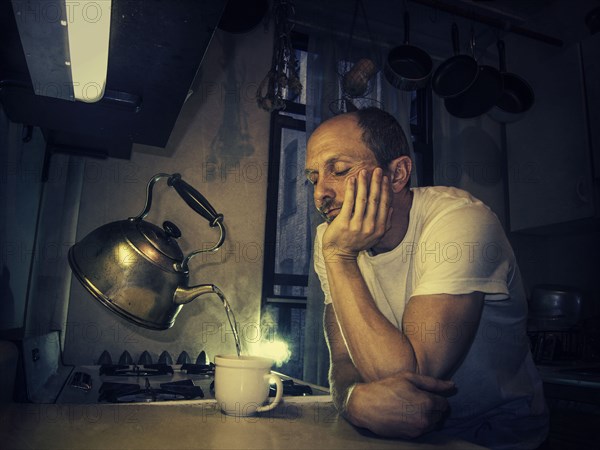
{"x":469,"y":154}
{"x":322,"y":100}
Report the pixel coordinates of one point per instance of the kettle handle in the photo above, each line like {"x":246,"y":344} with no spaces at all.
{"x":194,"y":200}
{"x":191,"y":196}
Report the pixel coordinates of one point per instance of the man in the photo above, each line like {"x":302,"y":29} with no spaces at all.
{"x":425,"y":310}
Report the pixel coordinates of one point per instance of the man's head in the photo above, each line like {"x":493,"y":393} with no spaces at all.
{"x":342,"y":146}
{"x":382,"y":134}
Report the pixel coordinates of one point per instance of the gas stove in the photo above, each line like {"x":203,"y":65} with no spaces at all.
{"x":161,"y":382}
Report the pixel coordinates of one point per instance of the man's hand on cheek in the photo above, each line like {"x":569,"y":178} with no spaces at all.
{"x":363,"y":219}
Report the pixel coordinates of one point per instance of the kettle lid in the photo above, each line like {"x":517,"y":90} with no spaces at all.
{"x":157,"y":244}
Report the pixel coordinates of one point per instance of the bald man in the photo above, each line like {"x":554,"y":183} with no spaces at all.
{"x":425,"y":311}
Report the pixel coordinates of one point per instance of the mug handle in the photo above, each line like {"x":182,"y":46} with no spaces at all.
{"x":278,"y":394}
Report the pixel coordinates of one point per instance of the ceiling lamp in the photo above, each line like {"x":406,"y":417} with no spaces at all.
{"x":88,"y":26}
{"x":65,"y":43}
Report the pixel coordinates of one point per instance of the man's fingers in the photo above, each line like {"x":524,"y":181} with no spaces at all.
{"x":348,"y":205}
{"x":360,"y":203}
{"x":383,"y":213}
{"x":431,"y":384}
{"x":374,"y":198}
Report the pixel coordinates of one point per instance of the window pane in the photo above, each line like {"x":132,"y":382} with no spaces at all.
{"x":289,"y":291}
{"x":290,"y":95}
{"x":283,"y":112}
{"x":292,"y":244}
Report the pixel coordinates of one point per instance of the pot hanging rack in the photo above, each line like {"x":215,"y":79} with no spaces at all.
{"x":504,"y":25}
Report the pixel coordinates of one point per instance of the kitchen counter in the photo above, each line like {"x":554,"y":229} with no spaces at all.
{"x":296,"y":423}
{"x":578,"y":374}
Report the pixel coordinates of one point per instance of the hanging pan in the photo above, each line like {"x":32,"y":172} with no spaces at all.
{"x":455,"y":75}
{"x":517,"y":96}
{"x":481,"y":96}
{"x":407,"y":67}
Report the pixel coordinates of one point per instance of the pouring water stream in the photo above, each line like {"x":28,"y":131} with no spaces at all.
{"x":231,"y":319}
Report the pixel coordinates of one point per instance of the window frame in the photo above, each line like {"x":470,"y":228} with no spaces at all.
{"x":271,"y":279}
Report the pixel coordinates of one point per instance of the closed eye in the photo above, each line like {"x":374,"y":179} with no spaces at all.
{"x":341,"y":173}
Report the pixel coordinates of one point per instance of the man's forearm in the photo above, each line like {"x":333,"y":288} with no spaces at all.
{"x":378,"y":349}
{"x":343,"y":376}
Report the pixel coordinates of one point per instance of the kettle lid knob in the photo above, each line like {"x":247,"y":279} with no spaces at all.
{"x":171,"y":229}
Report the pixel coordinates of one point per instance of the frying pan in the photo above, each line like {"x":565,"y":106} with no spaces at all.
{"x":481,"y":96}
{"x":517,"y":96}
{"x":455,"y":75}
{"x":408,"y":67}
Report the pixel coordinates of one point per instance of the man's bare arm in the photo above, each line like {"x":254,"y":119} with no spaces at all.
{"x":376,"y":347}
{"x":342,"y":373}
{"x":405,"y":405}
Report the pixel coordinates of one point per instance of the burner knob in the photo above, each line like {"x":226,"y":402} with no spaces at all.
{"x":202,"y":359}
{"x":165,"y":358}
{"x":105,"y":359}
{"x":125,"y":359}
{"x":145,"y":358}
{"x":184,"y":358}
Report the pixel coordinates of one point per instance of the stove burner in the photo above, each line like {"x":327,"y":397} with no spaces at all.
{"x":199,"y":369}
{"x":291,"y":389}
{"x":128,"y":393}
{"x":147,"y":370}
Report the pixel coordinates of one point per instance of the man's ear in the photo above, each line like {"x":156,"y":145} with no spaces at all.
{"x":400,"y":170}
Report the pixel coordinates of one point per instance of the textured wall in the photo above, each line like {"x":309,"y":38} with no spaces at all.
{"x":220,"y":146}
{"x":20,"y":192}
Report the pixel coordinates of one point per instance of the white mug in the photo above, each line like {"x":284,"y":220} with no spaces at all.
{"x":242,"y":384}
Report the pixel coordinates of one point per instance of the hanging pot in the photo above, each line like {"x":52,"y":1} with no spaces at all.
{"x":242,"y":16}
{"x":137,"y":269}
{"x":517,"y":95}
{"x":592,"y":20}
{"x":481,"y":96}
{"x":455,"y":75}
{"x":408,"y":67}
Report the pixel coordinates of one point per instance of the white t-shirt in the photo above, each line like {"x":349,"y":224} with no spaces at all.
{"x":456,"y":245}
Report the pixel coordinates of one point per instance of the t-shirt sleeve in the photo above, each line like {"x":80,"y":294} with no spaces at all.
{"x":463,"y":251}
{"x":319,"y":262}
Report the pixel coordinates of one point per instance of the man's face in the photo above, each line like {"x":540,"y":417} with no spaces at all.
{"x":335,"y":151}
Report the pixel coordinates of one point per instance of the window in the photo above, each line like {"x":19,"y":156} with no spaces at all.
{"x":288,"y":244}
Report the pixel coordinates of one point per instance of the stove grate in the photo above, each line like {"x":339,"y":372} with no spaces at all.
{"x":129,"y":392}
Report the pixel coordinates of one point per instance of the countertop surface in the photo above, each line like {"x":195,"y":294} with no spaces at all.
{"x":296,"y":423}
{"x":576,"y":373}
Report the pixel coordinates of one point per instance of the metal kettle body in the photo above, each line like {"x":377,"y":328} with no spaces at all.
{"x":136,"y":269}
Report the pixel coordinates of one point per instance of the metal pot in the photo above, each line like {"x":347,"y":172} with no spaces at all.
{"x":137,"y":269}
{"x":554,"y":308}
{"x":480,"y":96}
{"x":455,"y":75}
{"x":517,"y":95}
{"x":242,"y":16}
{"x":408,"y":67}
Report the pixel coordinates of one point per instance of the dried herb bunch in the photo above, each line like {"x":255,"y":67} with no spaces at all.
{"x":282,"y":79}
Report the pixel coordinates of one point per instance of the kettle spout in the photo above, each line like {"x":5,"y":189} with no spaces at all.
{"x":186,"y":295}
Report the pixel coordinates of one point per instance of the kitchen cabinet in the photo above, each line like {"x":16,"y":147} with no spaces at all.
{"x":549,"y":161}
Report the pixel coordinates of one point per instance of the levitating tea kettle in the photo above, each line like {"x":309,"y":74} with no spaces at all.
{"x":137,"y":269}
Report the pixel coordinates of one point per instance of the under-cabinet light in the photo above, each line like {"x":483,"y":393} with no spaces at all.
{"x":88,"y":25}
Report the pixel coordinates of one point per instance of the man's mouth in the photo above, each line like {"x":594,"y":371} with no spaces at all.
{"x":330,"y":213}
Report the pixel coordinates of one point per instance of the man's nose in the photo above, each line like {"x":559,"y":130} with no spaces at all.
{"x":323,"y":192}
